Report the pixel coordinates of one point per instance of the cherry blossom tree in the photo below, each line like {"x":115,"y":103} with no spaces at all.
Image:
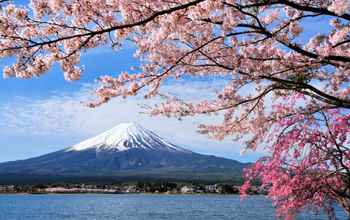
{"x":308,"y":168}
{"x":297,"y":80}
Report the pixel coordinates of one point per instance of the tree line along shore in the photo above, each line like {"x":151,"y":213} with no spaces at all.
{"x":120,"y":188}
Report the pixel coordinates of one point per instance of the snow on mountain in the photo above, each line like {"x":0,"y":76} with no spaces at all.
{"x":125,"y":137}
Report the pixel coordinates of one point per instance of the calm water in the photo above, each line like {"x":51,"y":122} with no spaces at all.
{"x":133,"y":206}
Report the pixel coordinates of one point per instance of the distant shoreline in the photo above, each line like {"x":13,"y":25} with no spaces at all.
{"x":161,"y":188}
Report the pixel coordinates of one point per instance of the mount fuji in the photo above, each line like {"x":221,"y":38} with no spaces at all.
{"x":124,"y":153}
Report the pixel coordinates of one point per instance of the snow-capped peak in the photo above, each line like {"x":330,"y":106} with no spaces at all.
{"x":125,"y":136}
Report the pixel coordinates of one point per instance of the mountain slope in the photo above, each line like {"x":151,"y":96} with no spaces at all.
{"x":126,"y":151}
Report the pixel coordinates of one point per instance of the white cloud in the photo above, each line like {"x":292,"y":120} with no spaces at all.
{"x":63,"y":113}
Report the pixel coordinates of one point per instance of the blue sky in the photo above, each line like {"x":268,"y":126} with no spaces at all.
{"x":42,"y":115}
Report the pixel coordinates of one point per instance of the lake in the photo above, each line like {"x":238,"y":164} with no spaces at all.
{"x":138,"y":206}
